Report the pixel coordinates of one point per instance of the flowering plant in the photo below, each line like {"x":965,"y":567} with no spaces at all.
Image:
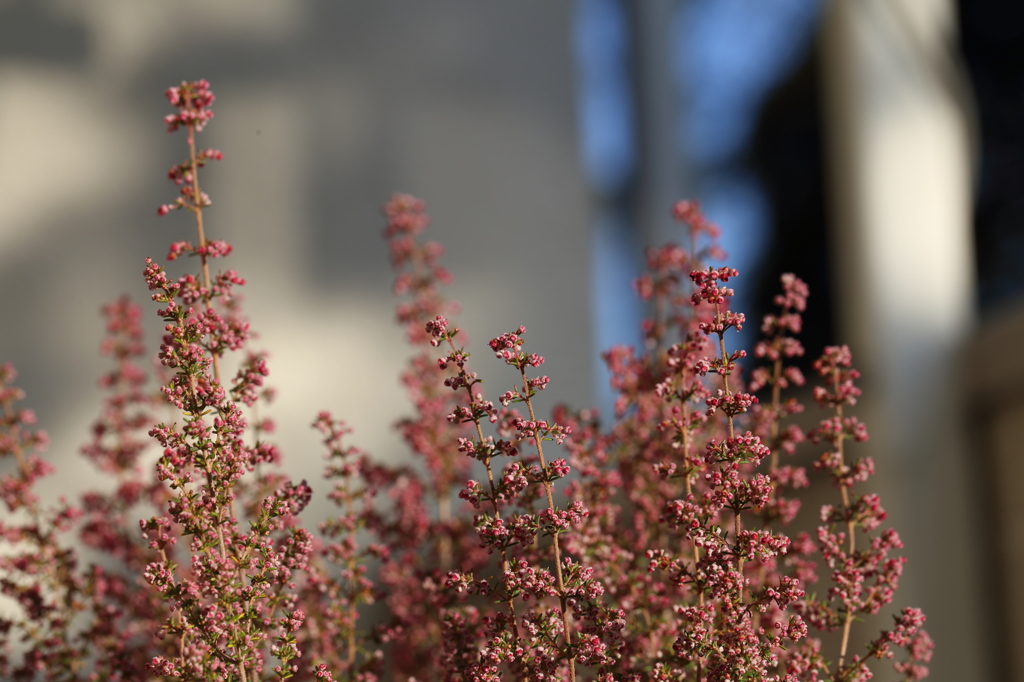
{"x":654,"y":546}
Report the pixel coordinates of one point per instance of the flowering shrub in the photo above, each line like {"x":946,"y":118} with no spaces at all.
{"x":527,"y":542}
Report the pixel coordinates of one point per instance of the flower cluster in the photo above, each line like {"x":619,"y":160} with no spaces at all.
{"x":192,"y":101}
{"x":236,"y":601}
{"x":655,"y":545}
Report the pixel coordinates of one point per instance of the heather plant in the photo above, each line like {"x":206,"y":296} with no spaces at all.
{"x":521,"y":541}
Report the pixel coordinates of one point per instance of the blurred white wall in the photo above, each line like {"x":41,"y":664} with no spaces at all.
{"x":323,"y":110}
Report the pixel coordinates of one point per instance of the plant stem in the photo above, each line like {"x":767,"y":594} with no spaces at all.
{"x":197,"y":209}
{"x":505,"y":564}
{"x":737,"y":523}
{"x":838,"y":444}
{"x":551,"y":505}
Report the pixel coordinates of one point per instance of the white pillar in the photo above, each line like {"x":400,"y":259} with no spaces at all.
{"x":899,"y":155}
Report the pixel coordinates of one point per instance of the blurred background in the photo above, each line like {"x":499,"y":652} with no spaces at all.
{"x":873,"y":147}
